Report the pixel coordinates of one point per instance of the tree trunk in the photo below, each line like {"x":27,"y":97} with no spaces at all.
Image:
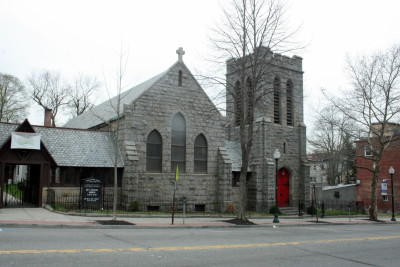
{"x":373,"y":209}
{"x":115,"y":189}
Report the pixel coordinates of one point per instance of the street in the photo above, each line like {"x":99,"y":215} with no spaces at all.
{"x":319,"y":245}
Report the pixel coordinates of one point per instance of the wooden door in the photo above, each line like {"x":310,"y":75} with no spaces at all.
{"x":283,"y":188}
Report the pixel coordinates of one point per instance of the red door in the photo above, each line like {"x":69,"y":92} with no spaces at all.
{"x":283,"y":188}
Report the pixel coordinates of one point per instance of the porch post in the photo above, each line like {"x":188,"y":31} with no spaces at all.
{"x":1,"y":183}
{"x":42,"y":179}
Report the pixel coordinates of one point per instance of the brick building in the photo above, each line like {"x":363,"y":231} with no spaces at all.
{"x":364,"y":164}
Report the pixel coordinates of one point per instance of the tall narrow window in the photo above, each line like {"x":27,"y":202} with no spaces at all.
{"x":289,"y":103}
{"x":277,"y":100}
{"x":250,"y":100}
{"x":237,"y":102}
{"x":180,"y":78}
{"x":178,"y":143}
{"x":200,"y":154}
{"x":154,"y":152}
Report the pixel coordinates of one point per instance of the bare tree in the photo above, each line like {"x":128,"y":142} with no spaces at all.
{"x":13,"y":102}
{"x":82,"y":90}
{"x":333,"y":134}
{"x":113,"y":123}
{"x":117,"y":108}
{"x":251,"y":30}
{"x":373,"y":102}
{"x":49,"y":91}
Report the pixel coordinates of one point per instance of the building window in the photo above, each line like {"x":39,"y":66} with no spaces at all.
{"x":154,"y":152}
{"x":277,"y":100}
{"x":250,"y":100}
{"x":178,"y":143}
{"x":284,"y":147}
{"x":237,"y":102}
{"x":69,"y":176}
{"x":289,"y":103}
{"x":235,"y":179}
{"x":385,"y":198}
{"x":367,"y":151}
{"x":200,"y":154}
{"x":180,"y":78}
{"x":336,"y":194}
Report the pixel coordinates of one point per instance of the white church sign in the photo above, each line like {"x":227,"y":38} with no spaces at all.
{"x":25,"y":141}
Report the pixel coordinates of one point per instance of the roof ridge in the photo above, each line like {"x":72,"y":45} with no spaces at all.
{"x":105,"y":111}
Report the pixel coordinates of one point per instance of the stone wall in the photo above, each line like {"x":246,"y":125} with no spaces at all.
{"x":268,"y":136}
{"x":154,"y":110}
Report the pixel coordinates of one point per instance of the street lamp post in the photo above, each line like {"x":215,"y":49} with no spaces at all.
{"x":276,"y":155}
{"x":391,"y":172}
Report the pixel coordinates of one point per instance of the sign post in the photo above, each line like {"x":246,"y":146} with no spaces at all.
{"x":177,"y":174}
{"x":91,"y":193}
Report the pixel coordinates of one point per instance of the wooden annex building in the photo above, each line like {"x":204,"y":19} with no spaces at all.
{"x":38,"y":159}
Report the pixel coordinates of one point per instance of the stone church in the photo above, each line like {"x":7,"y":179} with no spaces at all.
{"x":169,"y":122}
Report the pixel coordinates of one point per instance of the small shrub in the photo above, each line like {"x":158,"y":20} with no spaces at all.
{"x":274,"y":210}
{"x":231,"y":208}
{"x":134,"y":206}
{"x":21,"y":186}
{"x":60,"y":207}
{"x":311,"y":210}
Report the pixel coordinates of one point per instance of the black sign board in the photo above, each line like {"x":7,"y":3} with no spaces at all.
{"x":91,"y":193}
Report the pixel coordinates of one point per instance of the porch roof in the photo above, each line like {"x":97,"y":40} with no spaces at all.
{"x":72,"y":147}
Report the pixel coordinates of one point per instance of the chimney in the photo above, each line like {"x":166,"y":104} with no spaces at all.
{"x":48,"y":117}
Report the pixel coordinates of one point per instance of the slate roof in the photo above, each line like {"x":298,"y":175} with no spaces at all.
{"x":72,"y":147}
{"x":106,"y":111}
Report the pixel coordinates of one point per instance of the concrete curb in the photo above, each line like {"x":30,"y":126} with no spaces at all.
{"x":48,"y":218}
{"x":94,"y":225}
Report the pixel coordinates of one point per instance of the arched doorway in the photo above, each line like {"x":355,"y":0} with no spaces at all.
{"x":25,"y":168}
{"x":283,"y":187}
{"x":21,"y":185}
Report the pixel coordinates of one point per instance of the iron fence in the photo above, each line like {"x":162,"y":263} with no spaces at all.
{"x":331,"y":207}
{"x":72,"y":201}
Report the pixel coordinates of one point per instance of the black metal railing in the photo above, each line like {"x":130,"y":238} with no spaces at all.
{"x":72,"y":201}
{"x":331,"y":207}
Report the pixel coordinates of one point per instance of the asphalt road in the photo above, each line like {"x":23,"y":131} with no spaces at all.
{"x":320,"y":245}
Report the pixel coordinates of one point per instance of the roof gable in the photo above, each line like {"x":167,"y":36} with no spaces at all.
{"x":169,"y":87}
{"x":106,"y":111}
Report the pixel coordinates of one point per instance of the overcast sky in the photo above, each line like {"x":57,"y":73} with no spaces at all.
{"x":74,"y":37}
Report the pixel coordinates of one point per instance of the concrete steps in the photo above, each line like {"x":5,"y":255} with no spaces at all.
{"x":292,"y":211}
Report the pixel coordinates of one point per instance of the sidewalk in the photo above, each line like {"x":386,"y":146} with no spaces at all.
{"x":44,"y":218}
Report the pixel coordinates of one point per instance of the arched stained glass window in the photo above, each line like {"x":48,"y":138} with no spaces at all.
{"x":178,"y":143}
{"x":200,"y":154}
{"x":154,"y":152}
